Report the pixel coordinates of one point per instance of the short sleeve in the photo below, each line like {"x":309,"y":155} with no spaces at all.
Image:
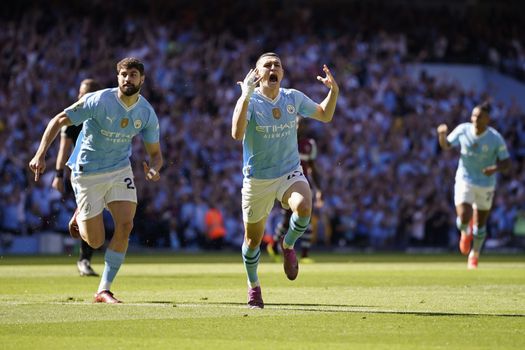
{"x":83,"y":109}
{"x":151,"y":133}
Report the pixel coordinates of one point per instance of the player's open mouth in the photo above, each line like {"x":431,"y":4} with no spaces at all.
{"x":273,"y":78}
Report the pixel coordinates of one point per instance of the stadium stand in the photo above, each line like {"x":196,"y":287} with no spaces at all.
{"x":387,"y":185}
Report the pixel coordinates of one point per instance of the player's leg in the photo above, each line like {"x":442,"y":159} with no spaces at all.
{"x":123,"y":213}
{"x":299,"y":198}
{"x":93,"y":233}
{"x":251,"y":254}
{"x":463,"y":199}
{"x":88,"y":215}
{"x":87,"y":222}
{"x":280,"y":231}
{"x":464,"y":213}
{"x":92,"y":230}
{"x":84,"y":260}
{"x":479,"y":234}
{"x":85,"y":252}
{"x":306,"y":243}
{"x":258,"y":197}
{"x":121,"y":200}
{"x":483,"y":205}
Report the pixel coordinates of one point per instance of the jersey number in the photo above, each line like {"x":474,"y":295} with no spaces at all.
{"x":129,"y":182}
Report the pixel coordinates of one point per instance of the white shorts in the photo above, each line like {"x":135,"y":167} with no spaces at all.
{"x":94,"y":192}
{"x":259,"y":195}
{"x":479,"y":197}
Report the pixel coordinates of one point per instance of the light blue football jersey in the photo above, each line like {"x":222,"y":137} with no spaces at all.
{"x":477,"y":153}
{"x":104,"y":144}
{"x":270,"y":141}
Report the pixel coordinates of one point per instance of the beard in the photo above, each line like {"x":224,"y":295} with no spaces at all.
{"x":130,"y":90}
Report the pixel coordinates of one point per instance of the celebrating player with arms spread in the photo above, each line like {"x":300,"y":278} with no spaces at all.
{"x":265,"y":119}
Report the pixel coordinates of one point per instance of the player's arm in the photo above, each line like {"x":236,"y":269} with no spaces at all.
{"x":325,"y":110}
{"x":442,"y":131}
{"x":65,"y":145}
{"x":38,"y":163}
{"x":239,"y":118}
{"x":152,"y":170}
{"x":501,"y":166}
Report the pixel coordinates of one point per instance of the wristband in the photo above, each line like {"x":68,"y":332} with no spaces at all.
{"x":152,"y":172}
{"x":59,"y":173}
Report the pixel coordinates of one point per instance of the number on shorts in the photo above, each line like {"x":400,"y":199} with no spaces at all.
{"x":294,"y":174}
{"x":489,"y":196}
{"x":129,"y":182}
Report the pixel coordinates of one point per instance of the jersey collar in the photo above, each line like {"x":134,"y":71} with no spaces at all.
{"x":124,"y":106}
{"x":274,"y":101}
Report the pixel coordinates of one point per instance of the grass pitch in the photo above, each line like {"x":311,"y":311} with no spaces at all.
{"x":182,"y":301}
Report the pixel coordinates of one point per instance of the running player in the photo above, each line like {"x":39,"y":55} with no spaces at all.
{"x":265,"y":120}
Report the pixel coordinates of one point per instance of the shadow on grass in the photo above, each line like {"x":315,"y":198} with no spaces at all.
{"x":339,"y":308}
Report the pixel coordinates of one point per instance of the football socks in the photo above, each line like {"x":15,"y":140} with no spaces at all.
{"x":113,"y":261}
{"x":461,"y":226}
{"x":479,"y":237}
{"x":298,"y":225}
{"x":250,"y":257}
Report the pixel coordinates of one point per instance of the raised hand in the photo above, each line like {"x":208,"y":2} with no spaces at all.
{"x":250,"y":82}
{"x":328,"y":80}
{"x":442,"y":129}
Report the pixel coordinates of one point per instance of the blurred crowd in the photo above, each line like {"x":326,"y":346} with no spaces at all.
{"x":385,"y":182}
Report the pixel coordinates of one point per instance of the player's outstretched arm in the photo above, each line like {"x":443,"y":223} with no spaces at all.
{"x":326,"y":109}
{"x":442,"y":131}
{"x":38,"y":163}
{"x":239,"y":120}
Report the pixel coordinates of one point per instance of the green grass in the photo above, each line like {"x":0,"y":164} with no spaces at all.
{"x":184,"y":301}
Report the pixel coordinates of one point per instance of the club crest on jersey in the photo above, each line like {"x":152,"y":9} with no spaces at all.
{"x":276,"y":112}
{"x":137,"y":123}
{"x":290,"y":109}
{"x":124,"y":122}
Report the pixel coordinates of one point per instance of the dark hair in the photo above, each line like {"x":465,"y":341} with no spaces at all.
{"x":485,"y":107}
{"x":267,"y":54}
{"x":92,"y":84}
{"x":131,"y":62}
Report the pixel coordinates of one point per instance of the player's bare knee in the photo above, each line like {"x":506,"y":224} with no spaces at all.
{"x":124,"y":227}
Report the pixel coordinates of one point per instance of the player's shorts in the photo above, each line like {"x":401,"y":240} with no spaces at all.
{"x":259,"y":195}
{"x":479,"y":197}
{"x":94,"y":192}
